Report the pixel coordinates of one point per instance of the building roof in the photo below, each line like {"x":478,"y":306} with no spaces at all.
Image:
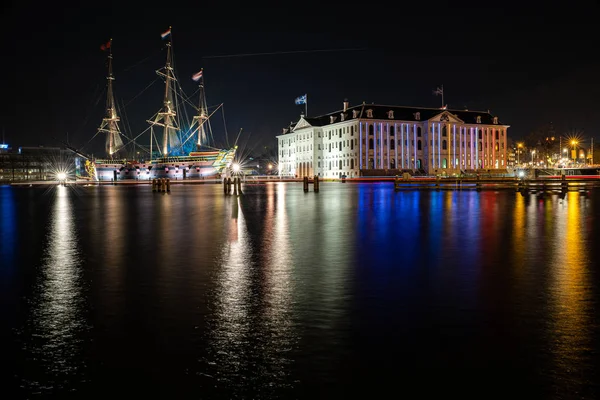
{"x":401,"y":113}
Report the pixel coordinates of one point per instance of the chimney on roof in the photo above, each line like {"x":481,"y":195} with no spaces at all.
{"x":346,"y":105}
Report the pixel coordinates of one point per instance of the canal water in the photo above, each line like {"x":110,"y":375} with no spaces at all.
{"x":354,"y":291}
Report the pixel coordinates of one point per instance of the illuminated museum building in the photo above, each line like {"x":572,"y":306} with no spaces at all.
{"x":370,"y":140}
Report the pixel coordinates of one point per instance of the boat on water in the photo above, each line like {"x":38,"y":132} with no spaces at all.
{"x":167,"y":158}
{"x":584,"y":172}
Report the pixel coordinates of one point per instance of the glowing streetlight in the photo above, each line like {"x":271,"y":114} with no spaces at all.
{"x":236,"y":167}
{"x":574,"y":143}
{"x":270,"y":166}
{"x":519,"y":147}
{"x":61,"y":176}
{"x":532,"y":153}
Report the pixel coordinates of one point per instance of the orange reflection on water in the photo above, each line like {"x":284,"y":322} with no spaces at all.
{"x":570,"y":294}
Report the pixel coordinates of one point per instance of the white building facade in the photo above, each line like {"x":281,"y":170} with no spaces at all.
{"x":379,"y":140}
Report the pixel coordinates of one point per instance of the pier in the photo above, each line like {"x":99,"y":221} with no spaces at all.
{"x":496,"y":183}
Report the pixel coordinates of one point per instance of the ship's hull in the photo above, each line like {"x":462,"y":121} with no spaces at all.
{"x":198,"y":165}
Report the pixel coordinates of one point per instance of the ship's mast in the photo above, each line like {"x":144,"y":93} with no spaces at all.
{"x":166,"y":117}
{"x":110,"y":123}
{"x":202,"y":114}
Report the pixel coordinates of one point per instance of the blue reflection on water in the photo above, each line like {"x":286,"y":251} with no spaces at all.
{"x":8,"y":228}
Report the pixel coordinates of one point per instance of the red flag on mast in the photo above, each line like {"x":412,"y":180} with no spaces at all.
{"x":105,"y":46}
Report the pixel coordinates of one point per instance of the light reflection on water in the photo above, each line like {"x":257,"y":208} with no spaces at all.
{"x":57,"y":323}
{"x":280,"y":292}
{"x":571,"y":300}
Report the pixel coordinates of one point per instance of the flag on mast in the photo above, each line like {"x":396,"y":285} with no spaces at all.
{"x":196,"y":77}
{"x":105,"y":46}
{"x":301,"y":100}
{"x":440,"y":91}
{"x":166,"y":33}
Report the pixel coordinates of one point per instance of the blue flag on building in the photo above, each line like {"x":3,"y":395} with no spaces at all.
{"x":301,"y":100}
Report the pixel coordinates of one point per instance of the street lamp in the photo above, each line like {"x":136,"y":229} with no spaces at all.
{"x":519,"y":146}
{"x":574,"y":152}
{"x":532,"y":153}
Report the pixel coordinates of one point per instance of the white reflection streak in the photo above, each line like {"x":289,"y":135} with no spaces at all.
{"x":278,"y":272}
{"x":56,"y":318}
{"x":234,"y":281}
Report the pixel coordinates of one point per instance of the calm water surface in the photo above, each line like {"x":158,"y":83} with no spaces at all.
{"x":108,"y":291}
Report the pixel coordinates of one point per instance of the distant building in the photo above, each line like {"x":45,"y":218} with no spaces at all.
{"x":372,"y":140}
{"x":34,"y":163}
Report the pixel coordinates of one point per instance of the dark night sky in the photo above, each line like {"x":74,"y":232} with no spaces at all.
{"x":528,"y":65}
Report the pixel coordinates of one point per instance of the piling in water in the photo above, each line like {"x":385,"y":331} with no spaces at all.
{"x":239,"y":185}
{"x":168,"y":185}
{"x":305,"y":184}
{"x":316,"y":184}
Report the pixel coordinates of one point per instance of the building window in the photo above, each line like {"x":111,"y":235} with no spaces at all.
{"x":478,"y":120}
{"x":444,"y":145}
{"x":329,"y":135}
{"x":495,"y":120}
{"x":392,"y":142}
{"x":418,"y":145}
{"x":352,"y":145}
{"x":390,"y":114}
{"x":371,"y":143}
{"x":419,"y":131}
{"x":352,"y":130}
{"x":417,"y":116}
{"x":392,"y":130}
{"x":480,"y":135}
{"x":445,"y":163}
{"x":369,"y":113}
{"x":371,"y":130}
{"x":444,"y":131}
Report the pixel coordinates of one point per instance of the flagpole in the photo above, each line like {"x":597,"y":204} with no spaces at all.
{"x":306,"y":105}
{"x":442,"y":96}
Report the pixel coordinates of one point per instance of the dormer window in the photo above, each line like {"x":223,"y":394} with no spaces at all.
{"x":369,"y":113}
{"x":496,"y":120}
{"x":417,"y":116}
{"x":390,"y":114}
{"x":342,"y":116}
{"x":354,"y":113}
{"x":478,"y":120}
{"x":332,"y":119}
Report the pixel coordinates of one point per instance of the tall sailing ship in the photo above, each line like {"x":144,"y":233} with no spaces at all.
{"x":166,"y":159}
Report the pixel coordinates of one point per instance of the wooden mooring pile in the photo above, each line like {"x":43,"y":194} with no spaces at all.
{"x":161,"y":185}
{"x":315,"y":183}
{"x":235,"y":184}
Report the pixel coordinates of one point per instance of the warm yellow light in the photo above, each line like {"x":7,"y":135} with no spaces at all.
{"x":520,"y":145}
{"x":236,"y":167}
{"x":573,"y":142}
{"x":61,"y":176}
{"x":270,"y":166}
